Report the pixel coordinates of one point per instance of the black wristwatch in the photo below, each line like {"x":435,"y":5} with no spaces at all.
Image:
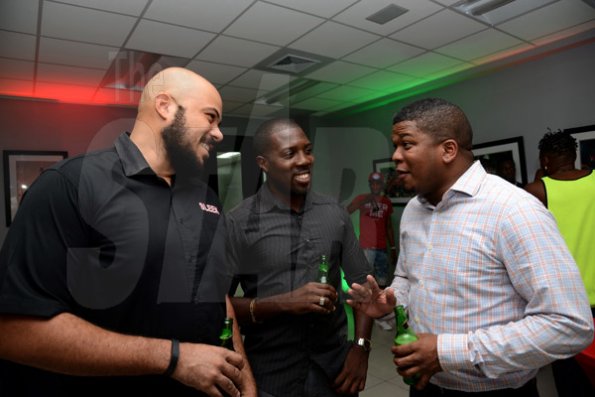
{"x":363,"y":343}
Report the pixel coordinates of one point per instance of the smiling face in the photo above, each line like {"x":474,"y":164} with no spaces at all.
{"x":288,"y":162}
{"x":418,"y":160}
{"x":196,"y":130}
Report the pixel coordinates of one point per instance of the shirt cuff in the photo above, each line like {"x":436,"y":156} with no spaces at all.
{"x":453,"y":352}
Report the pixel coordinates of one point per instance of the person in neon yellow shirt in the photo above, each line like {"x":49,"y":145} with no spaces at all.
{"x":569,"y":194}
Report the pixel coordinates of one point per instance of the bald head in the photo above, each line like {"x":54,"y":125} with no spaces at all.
{"x":179,"y":83}
{"x":178,"y":119}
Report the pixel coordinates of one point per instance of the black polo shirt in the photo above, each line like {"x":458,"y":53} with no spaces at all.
{"x":277,"y":250}
{"x":103,"y":237}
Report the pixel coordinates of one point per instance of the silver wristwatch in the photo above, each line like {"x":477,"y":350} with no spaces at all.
{"x":363,"y":343}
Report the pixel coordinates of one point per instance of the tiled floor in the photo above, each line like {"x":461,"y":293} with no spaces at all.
{"x":383,"y":379}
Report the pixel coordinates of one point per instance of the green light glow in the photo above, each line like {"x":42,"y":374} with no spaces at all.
{"x":405,"y":91}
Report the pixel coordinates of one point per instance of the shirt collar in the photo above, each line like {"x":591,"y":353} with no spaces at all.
{"x":266,"y":201}
{"x":469,"y":184}
{"x":131,"y":157}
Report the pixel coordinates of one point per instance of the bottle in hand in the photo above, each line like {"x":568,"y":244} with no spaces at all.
{"x":323,"y":270}
{"x":404,"y":335}
{"x":226,"y":336}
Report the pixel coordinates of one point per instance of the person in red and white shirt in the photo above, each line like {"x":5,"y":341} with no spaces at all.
{"x":376,"y":229}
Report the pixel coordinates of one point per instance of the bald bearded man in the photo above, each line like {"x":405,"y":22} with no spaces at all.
{"x":112,"y":275}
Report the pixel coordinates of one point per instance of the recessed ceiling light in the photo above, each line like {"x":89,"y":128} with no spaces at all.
{"x":495,"y":12}
{"x":480,"y":7}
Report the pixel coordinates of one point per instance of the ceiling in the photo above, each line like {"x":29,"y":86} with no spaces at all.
{"x":103,"y":51}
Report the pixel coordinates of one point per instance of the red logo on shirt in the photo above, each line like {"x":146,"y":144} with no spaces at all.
{"x":209,"y":208}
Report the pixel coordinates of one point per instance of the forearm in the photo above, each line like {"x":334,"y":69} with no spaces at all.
{"x":354,"y":206}
{"x":70,"y":345}
{"x":250,"y":310}
{"x":248,"y":381}
{"x":526,"y":344}
{"x":363,"y":325}
{"x":358,"y":202}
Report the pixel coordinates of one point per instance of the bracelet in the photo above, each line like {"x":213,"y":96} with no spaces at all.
{"x":252,"y":306}
{"x":393,"y":248}
{"x":175,"y":355}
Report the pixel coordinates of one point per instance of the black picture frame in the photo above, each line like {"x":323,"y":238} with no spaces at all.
{"x":492,"y":154}
{"x":21,"y":168}
{"x":585,"y":151}
{"x":394,"y":191}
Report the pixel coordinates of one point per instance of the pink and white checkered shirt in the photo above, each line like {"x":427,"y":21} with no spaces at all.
{"x":488,"y":272}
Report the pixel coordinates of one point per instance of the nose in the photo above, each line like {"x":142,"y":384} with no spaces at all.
{"x":304,"y":158}
{"x":216,"y":134}
{"x":397,"y":156}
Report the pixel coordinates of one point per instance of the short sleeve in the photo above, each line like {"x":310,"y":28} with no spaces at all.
{"x":33,"y":257}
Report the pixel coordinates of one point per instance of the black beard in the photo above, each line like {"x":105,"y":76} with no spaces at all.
{"x":180,"y":154}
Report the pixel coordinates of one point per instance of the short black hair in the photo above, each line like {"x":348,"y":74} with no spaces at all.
{"x":558,"y":143}
{"x":440,"y":119}
{"x":261,"y":140}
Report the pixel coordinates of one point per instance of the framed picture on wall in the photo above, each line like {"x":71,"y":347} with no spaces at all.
{"x":21,"y":168}
{"x":497,"y":157}
{"x":395,"y":191}
{"x":585,"y":152}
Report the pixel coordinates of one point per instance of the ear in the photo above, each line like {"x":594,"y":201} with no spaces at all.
{"x":450,"y":149}
{"x":262,"y":163}
{"x":165,"y":107}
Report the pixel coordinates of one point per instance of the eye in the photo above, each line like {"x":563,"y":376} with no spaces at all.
{"x":288,"y":154}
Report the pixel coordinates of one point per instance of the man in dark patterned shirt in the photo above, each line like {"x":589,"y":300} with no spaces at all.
{"x":295,"y":329}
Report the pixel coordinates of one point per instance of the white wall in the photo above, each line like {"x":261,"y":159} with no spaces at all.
{"x":555,"y":91}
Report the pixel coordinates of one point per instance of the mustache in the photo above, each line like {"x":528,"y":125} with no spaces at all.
{"x":209,"y":140}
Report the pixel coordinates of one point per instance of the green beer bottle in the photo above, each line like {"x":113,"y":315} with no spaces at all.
{"x":404,"y":335}
{"x":323,"y":270}
{"x":226,"y":336}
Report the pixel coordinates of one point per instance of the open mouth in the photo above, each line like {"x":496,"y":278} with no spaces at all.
{"x":206,"y":146}
{"x":303,"y":177}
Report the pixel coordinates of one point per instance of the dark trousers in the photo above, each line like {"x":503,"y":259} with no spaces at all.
{"x":317,"y":385}
{"x":571,"y":380}
{"x":529,"y":389}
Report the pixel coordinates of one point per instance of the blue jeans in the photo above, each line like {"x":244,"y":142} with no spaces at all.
{"x":378,"y":259}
